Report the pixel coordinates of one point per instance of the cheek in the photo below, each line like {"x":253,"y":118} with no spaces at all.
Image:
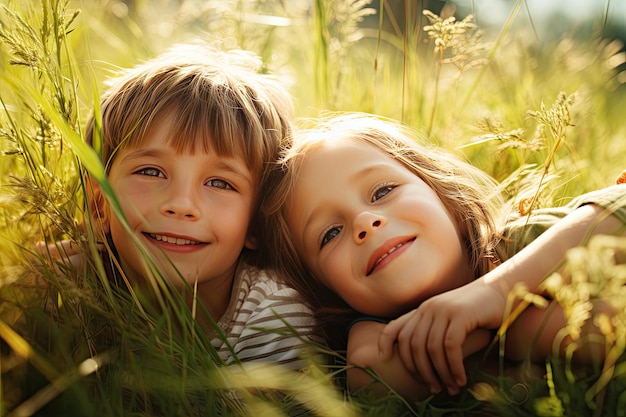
{"x":137,"y":198}
{"x":235,"y":217}
{"x":137,"y":187}
{"x":333,"y":270}
{"x":457,"y":220}
{"x":132,"y":209}
{"x":122,"y":240}
{"x":460,"y":228}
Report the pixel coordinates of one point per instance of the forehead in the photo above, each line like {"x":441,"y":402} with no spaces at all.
{"x":328,"y":173}
{"x":163,"y":140}
{"x":340,"y":160}
{"x":182,"y":139}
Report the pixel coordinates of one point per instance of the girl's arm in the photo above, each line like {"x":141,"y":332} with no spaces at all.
{"x":363,"y":352}
{"x":432,"y":336}
{"x":539,"y":332}
{"x":546,"y":253}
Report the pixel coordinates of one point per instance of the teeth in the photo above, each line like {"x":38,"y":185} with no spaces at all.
{"x":174,"y":240}
{"x":387,"y":254}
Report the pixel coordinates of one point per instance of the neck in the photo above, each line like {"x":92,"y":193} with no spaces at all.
{"x":210,"y":298}
{"x":213,"y":299}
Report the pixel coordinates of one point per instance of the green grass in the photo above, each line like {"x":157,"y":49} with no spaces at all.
{"x":528,"y":111}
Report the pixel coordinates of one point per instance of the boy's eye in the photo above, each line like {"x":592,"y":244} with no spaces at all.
{"x":151,"y":172}
{"x":382,"y":191}
{"x":330,"y":234}
{"x":217,"y":183}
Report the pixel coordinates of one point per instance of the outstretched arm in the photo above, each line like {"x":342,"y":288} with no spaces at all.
{"x":430,"y":338}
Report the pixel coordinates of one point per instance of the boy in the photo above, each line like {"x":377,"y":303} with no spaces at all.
{"x":186,"y":140}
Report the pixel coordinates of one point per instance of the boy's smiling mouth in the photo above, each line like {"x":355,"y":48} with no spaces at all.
{"x":173,"y":240}
{"x":377,"y":257}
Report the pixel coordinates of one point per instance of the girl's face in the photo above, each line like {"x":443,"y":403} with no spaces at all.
{"x":373,"y":231}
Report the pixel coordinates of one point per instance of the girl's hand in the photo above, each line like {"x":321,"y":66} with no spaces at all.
{"x":434,"y":339}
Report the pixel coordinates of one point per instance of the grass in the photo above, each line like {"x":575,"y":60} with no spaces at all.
{"x":543,"y":116}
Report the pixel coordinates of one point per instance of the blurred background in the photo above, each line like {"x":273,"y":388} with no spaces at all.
{"x":531,"y":91}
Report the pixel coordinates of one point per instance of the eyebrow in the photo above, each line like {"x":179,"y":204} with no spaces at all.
{"x":143,"y":152}
{"x":235,"y":168}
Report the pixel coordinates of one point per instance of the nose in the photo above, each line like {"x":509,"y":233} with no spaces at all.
{"x":365,"y":224}
{"x":181,"y":202}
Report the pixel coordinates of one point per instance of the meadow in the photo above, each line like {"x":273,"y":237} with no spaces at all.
{"x":543,"y":115}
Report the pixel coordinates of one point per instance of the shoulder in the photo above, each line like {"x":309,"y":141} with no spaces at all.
{"x":269,"y":322}
{"x":268,"y":284}
{"x":611,"y":198}
{"x":263,"y":292}
{"x":520,"y":230}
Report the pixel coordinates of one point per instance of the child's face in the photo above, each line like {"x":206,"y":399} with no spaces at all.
{"x":193,"y":209}
{"x":372,"y":231}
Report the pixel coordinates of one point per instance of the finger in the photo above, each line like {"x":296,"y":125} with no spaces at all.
{"x":456,"y":366}
{"x":420,"y":362}
{"x":437,"y":353}
{"x":455,"y":340}
{"x":450,"y":365}
{"x":41,"y":247}
{"x":405,"y":348}
{"x":389,"y":336}
{"x":58,"y":250}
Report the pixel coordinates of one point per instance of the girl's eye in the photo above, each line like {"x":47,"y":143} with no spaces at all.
{"x":382,"y":191}
{"x":151,"y":172}
{"x":330,"y":234}
{"x":217,"y":183}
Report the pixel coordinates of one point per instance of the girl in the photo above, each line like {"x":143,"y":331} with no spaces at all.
{"x":370,"y":220}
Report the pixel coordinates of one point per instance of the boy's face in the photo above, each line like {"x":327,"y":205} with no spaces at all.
{"x":189,"y":210}
{"x":373,"y":231}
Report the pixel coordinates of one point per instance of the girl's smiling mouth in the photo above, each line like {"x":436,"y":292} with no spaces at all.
{"x":387,"y":250}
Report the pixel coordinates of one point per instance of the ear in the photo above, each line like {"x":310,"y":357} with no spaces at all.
{"x":98,"y":206}
{"x":251,"y":242}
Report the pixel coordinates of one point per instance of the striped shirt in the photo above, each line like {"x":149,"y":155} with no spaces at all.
{"x":257,"y":320}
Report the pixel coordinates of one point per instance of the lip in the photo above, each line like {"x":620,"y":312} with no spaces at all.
{"x":389,"y":247}
{"x":174,"y":242}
